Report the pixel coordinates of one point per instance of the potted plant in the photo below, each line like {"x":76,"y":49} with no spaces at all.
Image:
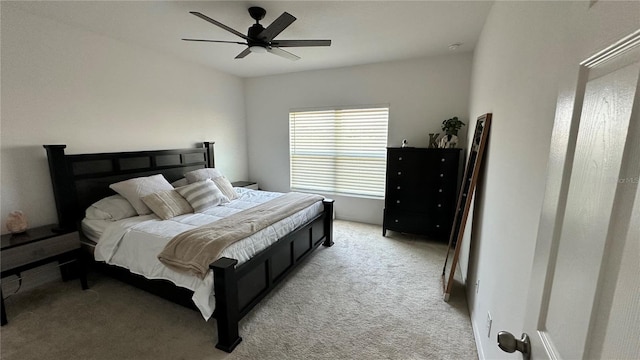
{"x":450,"y":127}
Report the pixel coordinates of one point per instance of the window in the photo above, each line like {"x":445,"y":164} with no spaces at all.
{"x":339,"y":151}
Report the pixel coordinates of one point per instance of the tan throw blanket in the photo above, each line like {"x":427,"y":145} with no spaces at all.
{"x":195,"y":249}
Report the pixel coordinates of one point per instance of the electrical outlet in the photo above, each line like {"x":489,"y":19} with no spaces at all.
{"x":489,"y":321}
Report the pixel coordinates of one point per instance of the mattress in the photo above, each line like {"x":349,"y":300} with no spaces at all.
{"x":134,"y":243}
{"x":93,"y":229}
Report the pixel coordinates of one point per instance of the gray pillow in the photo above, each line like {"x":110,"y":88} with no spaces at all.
{"x":202,"y":174}
{"x":180,"y":182}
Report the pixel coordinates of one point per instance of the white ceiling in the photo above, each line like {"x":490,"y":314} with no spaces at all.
{"x":362,"y":32}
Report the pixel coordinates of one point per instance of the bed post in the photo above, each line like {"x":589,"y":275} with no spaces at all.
{"x":63,"y":191}
{"x":328,"y":222}
{"x":211,"y":159}
{"x":227,"y":313}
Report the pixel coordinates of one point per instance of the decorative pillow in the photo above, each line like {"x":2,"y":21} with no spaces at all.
{"x":225,"y":186}
{"x":180,"y":182}
{"x":202,"y":195}
{"x":202,"y":174}
{"x":167,"y":204}
{"x":111,"y":208}
{"x":134,"y":189}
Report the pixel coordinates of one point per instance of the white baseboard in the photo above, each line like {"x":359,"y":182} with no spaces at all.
{"x":476,"y":335}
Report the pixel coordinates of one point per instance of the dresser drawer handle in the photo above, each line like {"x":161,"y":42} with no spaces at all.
{"x":397,"y":201}
{"x":397,"y":220}
{"x":399,"y":172}
{"x":443,"y":160}
{"x":400,"y":158}
{"x":439,"y":190}
{"x":437,"y":225}
{"x":398,"y":187}
{"x":441,"y":175}
{"x":439,"y":205}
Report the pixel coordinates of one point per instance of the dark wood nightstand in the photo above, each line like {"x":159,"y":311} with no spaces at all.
{"x":39,"y":246}
{"x":246,"y":184}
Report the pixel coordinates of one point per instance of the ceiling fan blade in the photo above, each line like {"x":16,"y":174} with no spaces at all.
{"x":216,"y":41}
{"x":214,"y":22}
{"x":300,"y":43}
{"x":283,"y":53}
{"x":244,"y":53}
{"x":276,"y":27}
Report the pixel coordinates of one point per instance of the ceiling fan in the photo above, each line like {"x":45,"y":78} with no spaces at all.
{"x":260,"y":39}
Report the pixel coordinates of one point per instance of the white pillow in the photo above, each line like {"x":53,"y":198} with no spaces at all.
{"x":111,"y":208}
{"x":134,"y":189}
{"x":202,"y":195}
{"x":202,"y":174}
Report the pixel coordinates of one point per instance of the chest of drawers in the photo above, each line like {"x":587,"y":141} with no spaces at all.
{"x":422,"y":190}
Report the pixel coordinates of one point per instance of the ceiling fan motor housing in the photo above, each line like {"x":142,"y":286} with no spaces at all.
{"x":254,"y":31}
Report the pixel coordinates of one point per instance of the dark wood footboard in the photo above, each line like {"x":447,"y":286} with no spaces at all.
{"x":239,"y":289}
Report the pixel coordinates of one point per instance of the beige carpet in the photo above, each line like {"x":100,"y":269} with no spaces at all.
{"x":367,"y":297}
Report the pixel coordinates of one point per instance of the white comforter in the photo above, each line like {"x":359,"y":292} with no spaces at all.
{"x":134,"y":243}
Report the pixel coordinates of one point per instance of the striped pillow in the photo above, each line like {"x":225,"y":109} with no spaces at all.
{"x":225,"y":186}
{"x":202,"y":195}
{"x":167,"y":204}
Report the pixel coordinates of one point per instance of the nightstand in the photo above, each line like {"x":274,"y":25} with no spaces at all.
{"x":246,"y":184}
{"x":36,"y":247}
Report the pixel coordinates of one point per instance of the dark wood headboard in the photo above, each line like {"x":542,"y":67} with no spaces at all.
{"x":79,"y":180}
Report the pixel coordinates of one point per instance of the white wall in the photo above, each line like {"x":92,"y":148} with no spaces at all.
{"x":527,"y":53}
{"x":421,"y":94}
{"x":63,"y":85}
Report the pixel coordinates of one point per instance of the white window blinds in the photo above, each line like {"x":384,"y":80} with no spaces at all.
{"x":339,"y":151}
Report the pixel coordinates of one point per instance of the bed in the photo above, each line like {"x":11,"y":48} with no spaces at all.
{"x":236,"y":281}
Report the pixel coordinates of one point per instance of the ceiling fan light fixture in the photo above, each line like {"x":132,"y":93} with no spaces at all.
{"x":258,"y":49}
